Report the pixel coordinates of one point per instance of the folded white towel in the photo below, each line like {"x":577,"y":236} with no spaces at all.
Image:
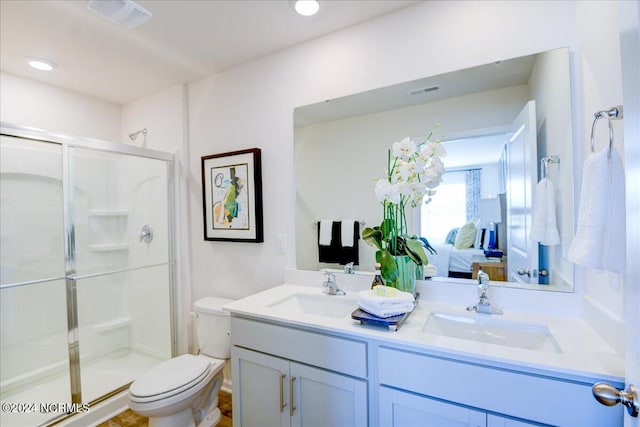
{"x":430,"y":270}
{"x":384,"y":296}
{"x":544,"y":227}
{"x":347,"y":232}
{"x":600,"y":237}
{"x":387,"y":311}
{"x":326,"y":226}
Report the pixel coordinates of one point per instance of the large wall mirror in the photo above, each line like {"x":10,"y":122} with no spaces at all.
{"x":505,"y":126}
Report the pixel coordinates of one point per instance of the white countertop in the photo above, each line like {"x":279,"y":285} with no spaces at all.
{"x":584,"y":356}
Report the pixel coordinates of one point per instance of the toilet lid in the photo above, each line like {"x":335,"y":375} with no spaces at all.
{"x":174,"y":374}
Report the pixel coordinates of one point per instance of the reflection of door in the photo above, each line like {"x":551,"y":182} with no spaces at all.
{"x":522,"y":261}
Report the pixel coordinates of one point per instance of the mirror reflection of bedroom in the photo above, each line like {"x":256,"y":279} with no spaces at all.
{"x":464,"y":220}
{"x":484,"y":206}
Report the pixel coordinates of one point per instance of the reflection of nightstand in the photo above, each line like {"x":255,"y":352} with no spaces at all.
{"x":496,"y":268}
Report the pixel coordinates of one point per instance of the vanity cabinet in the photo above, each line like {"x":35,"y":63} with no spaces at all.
{"x":289,"y":375}
{"x":272,"y":387}
{"x":509,"y":397}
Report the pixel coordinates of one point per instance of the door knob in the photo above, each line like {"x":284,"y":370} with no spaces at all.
{"x":610,"y":396}
{"x":523,"y":272}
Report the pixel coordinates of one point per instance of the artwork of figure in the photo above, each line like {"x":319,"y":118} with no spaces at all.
{"x":230,"y":201}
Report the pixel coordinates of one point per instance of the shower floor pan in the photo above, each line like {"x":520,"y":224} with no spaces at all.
{"x":99,"y":377}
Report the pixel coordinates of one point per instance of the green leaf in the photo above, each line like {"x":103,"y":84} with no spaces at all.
{"x":387,"y":227}
{"x":388,"y":266}
{"x":416,"y":252}
{"x":373,"y":237}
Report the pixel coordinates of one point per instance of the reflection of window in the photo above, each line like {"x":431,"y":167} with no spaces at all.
{"x":447,"y":209}
{"x":455,"y":202}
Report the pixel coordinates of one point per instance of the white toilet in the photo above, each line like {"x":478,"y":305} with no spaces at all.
{"x":183,"y":391}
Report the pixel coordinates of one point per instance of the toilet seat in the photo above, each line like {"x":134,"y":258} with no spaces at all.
{"x":170,"y":378}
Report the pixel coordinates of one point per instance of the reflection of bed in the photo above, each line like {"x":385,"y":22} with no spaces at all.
{"x":452,"y":262}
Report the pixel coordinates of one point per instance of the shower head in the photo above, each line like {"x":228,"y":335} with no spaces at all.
{"x":134,"y":135}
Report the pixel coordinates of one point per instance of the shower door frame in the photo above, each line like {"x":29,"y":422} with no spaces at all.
{"x":68,"y":142}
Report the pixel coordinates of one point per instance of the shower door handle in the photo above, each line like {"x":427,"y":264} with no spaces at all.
{"x":146,"y":235}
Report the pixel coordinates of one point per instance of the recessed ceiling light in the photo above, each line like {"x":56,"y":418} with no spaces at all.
{"x":306,"y":7}
{"x":41,"y":64}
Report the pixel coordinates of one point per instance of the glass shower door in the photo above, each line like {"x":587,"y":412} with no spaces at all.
{"x":123,"y":266}
{"x":33,"y":312}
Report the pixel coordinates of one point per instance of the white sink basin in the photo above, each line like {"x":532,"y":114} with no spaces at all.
{"x":318,"y":305}
{"x":492,"y":329}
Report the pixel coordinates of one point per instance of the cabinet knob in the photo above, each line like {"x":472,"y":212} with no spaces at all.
{"x":610,"y":396}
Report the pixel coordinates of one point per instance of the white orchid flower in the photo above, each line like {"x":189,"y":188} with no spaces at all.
{"x":430,"y":148}
{"x":407,"y":170}
{"x":433,"y":183}
{"x":437,"y":165}
{"x":405,"y":188}
{"x":404,"y":149}
{"x":385,"y":191}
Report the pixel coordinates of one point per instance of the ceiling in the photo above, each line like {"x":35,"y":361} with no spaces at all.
{"x":184,"y":41}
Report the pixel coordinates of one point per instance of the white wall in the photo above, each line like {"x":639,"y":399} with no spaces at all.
{"x":601,"y":88}
{"x":29,"y":103}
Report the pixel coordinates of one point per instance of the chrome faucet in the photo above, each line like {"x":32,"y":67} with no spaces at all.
{"x":484,"y":305}
{"x":348,"y":268}
{"x":330,"y":287}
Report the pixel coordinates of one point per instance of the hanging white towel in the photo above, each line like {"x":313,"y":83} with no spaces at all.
{"x":347,"y":232}
{"x":600,"y":237}
{"x":326,"y":226}
{"x":544,"y":227}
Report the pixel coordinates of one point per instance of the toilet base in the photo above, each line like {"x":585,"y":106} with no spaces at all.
{"x":183,"y":418}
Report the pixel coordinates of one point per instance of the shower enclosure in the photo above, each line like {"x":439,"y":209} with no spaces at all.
{"x":87,"y":271}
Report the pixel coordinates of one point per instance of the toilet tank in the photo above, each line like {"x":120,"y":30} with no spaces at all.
{"x":213,"y":327}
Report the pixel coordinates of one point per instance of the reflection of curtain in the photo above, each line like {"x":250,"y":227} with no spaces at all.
{"x":472,"y":181}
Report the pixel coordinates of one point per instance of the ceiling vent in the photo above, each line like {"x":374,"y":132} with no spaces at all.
{"x":422,"y":90}
{"x":124,"y":12}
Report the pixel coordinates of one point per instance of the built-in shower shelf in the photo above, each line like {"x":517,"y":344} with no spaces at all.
{"x":108,"y":247}
{"x":107,"y":230}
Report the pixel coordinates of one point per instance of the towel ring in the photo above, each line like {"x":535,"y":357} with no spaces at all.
{"x":600,"y":115}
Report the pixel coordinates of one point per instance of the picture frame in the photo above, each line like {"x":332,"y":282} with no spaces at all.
{"x":232,"y":196}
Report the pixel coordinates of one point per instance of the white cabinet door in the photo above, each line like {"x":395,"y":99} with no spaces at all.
{"x":325,"y":399}
{"x":401,"y":409}
{"x":260,"y":392}
{"x":273,"y":392}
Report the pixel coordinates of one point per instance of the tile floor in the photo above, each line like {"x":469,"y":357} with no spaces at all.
{"x":131,"y":419}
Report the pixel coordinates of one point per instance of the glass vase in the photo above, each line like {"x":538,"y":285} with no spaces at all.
{"x":406,"y":280}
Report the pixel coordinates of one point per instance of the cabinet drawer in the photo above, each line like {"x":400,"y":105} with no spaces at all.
{"x":333,"y":353}
{"x":528,"y":396}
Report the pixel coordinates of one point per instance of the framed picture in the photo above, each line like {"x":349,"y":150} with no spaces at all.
{"x":232,"y":196}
